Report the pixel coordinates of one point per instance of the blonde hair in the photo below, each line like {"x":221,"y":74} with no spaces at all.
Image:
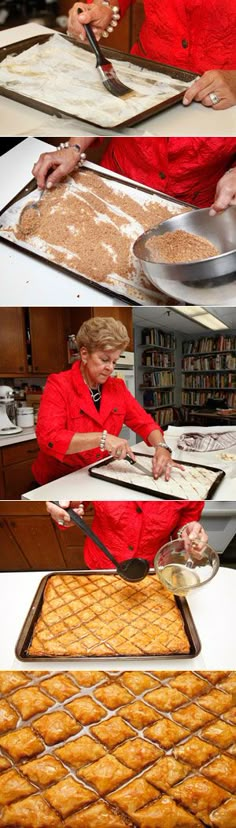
{"x":102,"y":333}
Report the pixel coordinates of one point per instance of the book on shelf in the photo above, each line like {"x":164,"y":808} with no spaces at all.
{"x":220,"y":362}
{"x":152,"y":336}
{"x":164,"y":417}
{"x":210,"y":344}
{"x":227,"y":381}
{"x":158,"y":359}
{"x":162,"y":379}
{"x":199,"y":398}
{"x":156,"y":398}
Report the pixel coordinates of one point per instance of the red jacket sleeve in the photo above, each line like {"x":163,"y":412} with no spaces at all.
{"x":52,"y":435}
{"x":191,"y":511}
{"x":137,"y":418}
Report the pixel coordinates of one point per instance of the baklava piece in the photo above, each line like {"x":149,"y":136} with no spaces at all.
{"x":32,"y":812}
{"x":166,"y":772}
{"x":164,"y":813}
{"x":31,"y":701}
{"x":133,"y":796}
{"x":113,"y":695}
{"x":8,"y":717}
{"x":88,"y":678}
{"x":44,"y":771}
{"x":225,"y":816}
{"x":22,"y":744}
{"x":137,"y":753}
{"x":165,"y":698}
{"x":195,"y":752}
{"x":112,"y":732}
{"x":138,"y":682}
{"x":56,"y":727}
{"x":61,"y":687}
{"x":13,"y":787}
{"x":217,"y":701}
{"x":190,"y":684}
{"x":199,"y":795}
{"x":9,"y":680}
{"x":86,"y":710}
{"x":192,"y":716}
{"x":69,"y":796}
{"x":106,"y":774}
{"x":219,"y":733}
{"x":222,"y":771}
{"x":80,"y":752}
{"x":97,"y":816}
{"x":166,"y":733}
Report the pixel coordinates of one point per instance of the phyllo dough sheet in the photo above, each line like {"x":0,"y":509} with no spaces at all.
{"x":117,"y":749}
{"x":63,"y":75}
{"x":193,"y":483}
{"x":101,"y":615}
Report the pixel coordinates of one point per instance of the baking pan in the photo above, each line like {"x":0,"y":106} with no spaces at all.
{"x":151,"y":297}
{"x":94,"y":472}
{"x":26,"y":633}
{"x":112,"y":54}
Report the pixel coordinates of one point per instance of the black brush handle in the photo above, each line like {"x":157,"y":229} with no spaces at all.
{"x":93,"y":42}
{"x":89,"y":532}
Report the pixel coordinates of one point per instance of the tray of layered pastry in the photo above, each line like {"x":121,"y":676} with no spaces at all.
{"x":148,"y":749}
{"x":87,"y":226}
{"x":190,"y":482}
{"x":93,"y":614}
{"x":57,"y":75}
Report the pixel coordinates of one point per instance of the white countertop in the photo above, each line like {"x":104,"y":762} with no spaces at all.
{"x":213,"y":609}
{"x":80,"y":485}
{"x":12,"y":439}
{"x":27,"y":280}
{"x":17,"y":119}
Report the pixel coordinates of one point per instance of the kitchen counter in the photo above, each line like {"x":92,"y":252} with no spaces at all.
{"x":12,"y":439}
{"x":17,"y":119}
{"x":79,"y":484}
{"x":213,"y":610}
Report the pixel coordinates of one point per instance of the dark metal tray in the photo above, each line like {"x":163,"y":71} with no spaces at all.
{"x":26,"y":633}
{"x":172,"y":71}
{"x":31,"y":186}
{"x":94,"y":472}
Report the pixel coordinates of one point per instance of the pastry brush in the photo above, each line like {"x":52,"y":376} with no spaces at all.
{"x":105,"y":67}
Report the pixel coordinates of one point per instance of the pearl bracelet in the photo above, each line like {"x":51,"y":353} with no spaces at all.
{"x":114,"y":20}
{"x":103,"y":440}
{"x":77,"y":147}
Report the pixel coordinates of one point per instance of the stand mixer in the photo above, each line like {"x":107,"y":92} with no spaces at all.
{"x":6,"y":402}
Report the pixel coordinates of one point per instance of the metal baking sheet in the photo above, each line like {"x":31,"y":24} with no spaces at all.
{"x":132,"y":293}
{"x":26,"y":633}
{"x":112,"y":54}
{"x":96,"y":471}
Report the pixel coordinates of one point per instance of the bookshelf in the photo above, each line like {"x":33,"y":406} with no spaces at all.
{"x":157,"y":374}
{"x":209,"y":370}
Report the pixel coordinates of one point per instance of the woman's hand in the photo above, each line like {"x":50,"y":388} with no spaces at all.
{"x":59,"y":514}
{"x":97,"y":14}
{"x":195,"y":538}
{"x":162,"y":464}
{"x":118,"y":448}
{"x":214,"y":82}
{"x":225,"y":192}
{"x":60,"y":162}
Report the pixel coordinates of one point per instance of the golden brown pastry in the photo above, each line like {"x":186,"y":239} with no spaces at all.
{"x":86,"y":710}
{"x":225,"y":816}
{"x":199,"y":795}
{"x":8,"y":717}
{"x":190,"y":684}
{"x":80,"y":751}
{"x":219,"y":733}
{"x":222,"y":770}
{"x":166,"y":733}
{"x":30,"y":701}
{"x":139,"y":714}
{"x":13,"y":787}
{"x":69,"y":796}
{"x":61,"y":687}
{"x":106,"y":774}
{"x":165,"y":814}
{"x":166,"y":698}
{"x":32,"y":812}
{"x":192,"y":716}
{"x":9,"y":680}
{"x":166,"y":772}
{"x":21,"y":744}
{"x":113,"y":695}
{"x":44,"y":770}
{"x":54,"y":727}
{"x":137,"y":753}
{"x":195,"y":751}
{"x":97,"y":816}
{"x":134,"y":795}
{"x":112,"y":732}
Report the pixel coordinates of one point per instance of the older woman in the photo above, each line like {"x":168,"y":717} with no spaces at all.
{"x":83,"y":410}
{"x":151,"y":525}
{"x":200,"y":171}
{"x":197,"y":35}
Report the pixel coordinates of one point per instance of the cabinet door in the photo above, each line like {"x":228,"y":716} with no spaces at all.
{"x":18,"y":479}
{"x":48,"y":340}
{"x":37,"y":540}
{"x":11,"y":556}
{"x":13,"y":358}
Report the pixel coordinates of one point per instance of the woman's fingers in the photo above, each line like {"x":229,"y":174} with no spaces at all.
{"x":97,"y":14}
{"x":59,"y":513}
{"x":52,"y":167}
{"x":225,"y":192}
{"x":41,"y":168}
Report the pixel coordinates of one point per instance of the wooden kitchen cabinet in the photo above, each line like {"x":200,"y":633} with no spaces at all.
{"x":48,"y":340}
{"x":30,"y":540}
{"x":13,"y":356}
{"x":16,"y":468}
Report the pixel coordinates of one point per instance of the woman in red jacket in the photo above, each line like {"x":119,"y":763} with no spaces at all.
{"x":151,"y":525}
{"x":197,"y":170}
{"x":197,"y":35}
{"x":83,"y":410}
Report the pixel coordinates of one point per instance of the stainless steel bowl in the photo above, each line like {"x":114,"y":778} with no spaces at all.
{"x":219,"y":229}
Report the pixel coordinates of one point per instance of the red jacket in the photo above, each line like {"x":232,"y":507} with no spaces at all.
{"x":186,"y":168}
{"x":139,"y":528}
{"x":192,"y":34}
{"x":67,"y":408}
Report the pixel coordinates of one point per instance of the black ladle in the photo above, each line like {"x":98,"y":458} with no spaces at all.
{"x":134,"y":569}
